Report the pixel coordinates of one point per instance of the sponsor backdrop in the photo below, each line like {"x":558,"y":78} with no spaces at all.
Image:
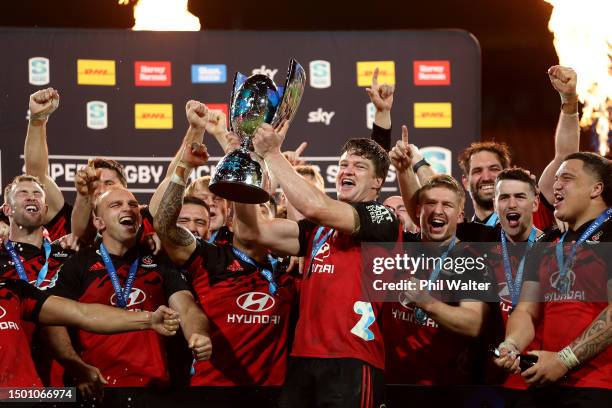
{"x":123,"y":93}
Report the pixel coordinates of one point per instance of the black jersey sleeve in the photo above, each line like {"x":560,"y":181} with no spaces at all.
{"x":381,"y":136}
{"x":31,"y":298}
{"x":306,"y":228}
{"x":376,"y":223}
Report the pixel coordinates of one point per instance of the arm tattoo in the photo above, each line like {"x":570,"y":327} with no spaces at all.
{"x":167,"y":214}
{"x":596,"y":338}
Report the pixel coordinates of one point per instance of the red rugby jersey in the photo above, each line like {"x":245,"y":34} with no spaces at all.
{"x":428,"y":354}
{"x":565,"y":318}
{"x":249,"y":325}
{"x":33,"y":259}
{"x":497,"y":334}
{"x":135,"y":359}
{"x":60,"y":225}
{"x":336,"y":319}
{"x":18,"y":302}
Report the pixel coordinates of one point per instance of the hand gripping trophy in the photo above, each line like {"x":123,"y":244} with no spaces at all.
{"x":255,"y":100}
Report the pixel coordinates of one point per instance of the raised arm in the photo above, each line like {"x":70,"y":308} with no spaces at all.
{"x":382,"y":98}
{"x":402,"y":157}
{"x":36,"y":152}
{"x":103,"y":319}
{"x":197,"y":115}
{"x":567,"y":135}
{"x":178,"y":242}
{"x":305,"y":197}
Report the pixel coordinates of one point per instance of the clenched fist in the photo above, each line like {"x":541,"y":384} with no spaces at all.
{"x":43,"y":103}
{"x":201,"y":346}
{"x":197,"y":114}
{"x":563,"y":79}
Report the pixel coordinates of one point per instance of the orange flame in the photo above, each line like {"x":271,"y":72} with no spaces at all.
{"x":583,"y":41}
{"x":163,"y":15}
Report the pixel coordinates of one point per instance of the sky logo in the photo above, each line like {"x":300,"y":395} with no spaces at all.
{"x":209,"y":74}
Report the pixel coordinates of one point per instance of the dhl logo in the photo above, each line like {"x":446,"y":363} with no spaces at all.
{"x":153,"y":116}
{"x":433,"y":115}
{"x":365,"y":70}
{"x":96,"y":72}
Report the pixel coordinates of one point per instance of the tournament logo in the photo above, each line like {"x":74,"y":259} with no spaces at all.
{"x":153,"y":116}
{"x":431,"y":73}
{"x":96,"y":72}
{"x":265,"y":71}
{"x":153,"y":73}
{"x":97,"y":115}
{"x":504,"y":292}
{"x":320,"y":74}
{"x":365,"y":70}
{"x":370,"y":115}
{"x":136,"y":297}
{"x":255,"y":301}
{"x":440,"y":158}
{"x":2,"y":312}
{"x":320,"y":116}
{"x":209,"y":74}
{"x":39,"y":71}
{"x":433,"y":115}
{"x":218,"y":106}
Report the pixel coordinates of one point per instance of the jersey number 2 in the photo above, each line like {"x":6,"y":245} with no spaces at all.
{"x":362,"y":328}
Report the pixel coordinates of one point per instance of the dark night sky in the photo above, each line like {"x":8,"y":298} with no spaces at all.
{"x":519,"y":105}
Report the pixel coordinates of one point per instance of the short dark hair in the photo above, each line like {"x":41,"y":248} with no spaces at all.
{"x":600,"y":168}
{"x":499,"y":149}
{"x":369,"y":149}
{"x":18,"y":179}
{"x":444,"y":181}
{"x":102,"y":163}
{"x":196,"y":201}
{"x":519,"y":174}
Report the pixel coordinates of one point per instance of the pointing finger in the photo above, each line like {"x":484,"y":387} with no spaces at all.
{"x":301,"y":148}
{"x":375,"y":78}
{"x":405,"y":135}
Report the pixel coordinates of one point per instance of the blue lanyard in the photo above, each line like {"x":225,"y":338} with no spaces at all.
{"x":564,"y":265}
{"x":493,"y":220}
{"x":514,"y":286}
{"x":42,"y":274}
{"x":436,"y":272}
{"x":213,"y":237}
{"x":317,"y":244}
{"x":122,"y":294}
{"x":269,"y":275}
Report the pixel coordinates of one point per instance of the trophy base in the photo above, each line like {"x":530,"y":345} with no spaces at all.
{"x":239,"y":192}
{"x":239,"y":178}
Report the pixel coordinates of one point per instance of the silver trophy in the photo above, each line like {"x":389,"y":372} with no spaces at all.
{"x":255,"y":100}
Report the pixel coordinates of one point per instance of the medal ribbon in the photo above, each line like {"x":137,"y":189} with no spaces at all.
{"x":564,"y":265}
{"x":515,"y":286}
{"x":266,"y":273}
{"x":213,"y":236}
{"x":122,"y":294}
{"x":317,"y":244}
{"x":493,"y":220}
{"x":42,"y":274}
